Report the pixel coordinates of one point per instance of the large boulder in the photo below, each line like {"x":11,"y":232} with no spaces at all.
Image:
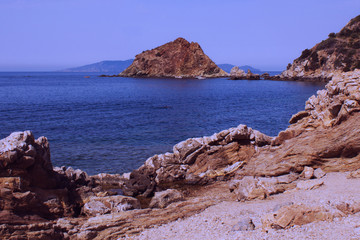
{"x":30,"y":187}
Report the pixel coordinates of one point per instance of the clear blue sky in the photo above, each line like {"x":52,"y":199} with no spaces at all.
{"x":55,"y":34}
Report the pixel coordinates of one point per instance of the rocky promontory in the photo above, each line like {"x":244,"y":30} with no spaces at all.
{"x":176,"y":59}
{"x":339,"y":53}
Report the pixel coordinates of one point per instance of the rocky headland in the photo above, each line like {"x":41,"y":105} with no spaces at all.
{"x":176,"y":59}
{"x":339,"y":53}
{"x":233,"y":167}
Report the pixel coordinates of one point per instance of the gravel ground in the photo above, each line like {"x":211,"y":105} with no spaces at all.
{"x":216,"y":222}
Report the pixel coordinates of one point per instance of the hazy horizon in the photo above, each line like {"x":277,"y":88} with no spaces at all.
{"x":47,"y":35}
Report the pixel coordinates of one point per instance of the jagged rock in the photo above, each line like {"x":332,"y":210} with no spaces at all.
{"x":177,"y":59}
{"x":247,"y":189}
{"x":236,"y":74}
{"x":164,"y":198}
{"x":289,"y":216}
{"x":320,"y":140}
{"x":197,"y":160}
{"x":30,"y":188}
{"x":111,"y":204}
{"x":244,"y":225}
{"x":251,"y":187}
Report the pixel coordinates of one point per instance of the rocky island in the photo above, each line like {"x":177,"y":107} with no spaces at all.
{"x":176,"y":59}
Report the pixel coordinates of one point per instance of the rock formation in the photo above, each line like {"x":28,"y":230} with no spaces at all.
{"x":177,"y":59}
{"x":238,"y":74}
{"x":339,"y":53}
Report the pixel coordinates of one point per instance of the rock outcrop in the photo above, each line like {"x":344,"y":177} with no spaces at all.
{"x":238,"y":74}
{"x":43,"y":202}
{"x":339,"y":53}
{"x":197,"y":161}
{"x":176,"y":59}
{"x":31,"y":190}
{"x":289,"y":216}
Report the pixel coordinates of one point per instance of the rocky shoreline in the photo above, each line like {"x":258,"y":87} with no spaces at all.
{"x":39,"y":201}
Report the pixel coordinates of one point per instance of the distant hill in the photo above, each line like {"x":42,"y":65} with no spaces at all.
{"x":227,"y":68}
{"x":103,"y":66}
{"x":340,"y":52}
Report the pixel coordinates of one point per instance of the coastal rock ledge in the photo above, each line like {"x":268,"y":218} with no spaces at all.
{"x":176,"y":59}
{"x":39,"y":201}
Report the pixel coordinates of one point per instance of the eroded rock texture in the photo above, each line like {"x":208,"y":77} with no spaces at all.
{"x":176,"y":59}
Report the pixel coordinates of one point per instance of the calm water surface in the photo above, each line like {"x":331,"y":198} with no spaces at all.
{"x":113,"y":124}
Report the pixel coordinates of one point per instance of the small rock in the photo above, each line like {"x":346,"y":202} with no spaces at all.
{"x":165,"y":198}
{"x":319,"y":173}
{"x":354,"y":174}
{"x":110,"y":204}
{"x":307,"y":173}
{"x":309,"y":184}
{"x":244,"y":225}
{"x":247,"y":189}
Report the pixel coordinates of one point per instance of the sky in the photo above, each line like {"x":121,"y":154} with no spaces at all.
{"x":49,"y":35}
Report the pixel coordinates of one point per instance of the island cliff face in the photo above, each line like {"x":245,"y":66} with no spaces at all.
{"x":177,"y":59}
{"x":339,"y":53}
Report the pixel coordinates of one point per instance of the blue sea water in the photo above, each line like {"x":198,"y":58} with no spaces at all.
{"x":114,"y":124}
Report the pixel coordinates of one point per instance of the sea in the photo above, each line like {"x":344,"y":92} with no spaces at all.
{"x":113,"y":125}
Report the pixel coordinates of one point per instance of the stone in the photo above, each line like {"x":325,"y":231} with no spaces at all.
{"x":176,"y":59}
{"x":164,"y":198}
{"x":309,"y":184}
{"x":354,"y":174}
{"x":298,"y":116}
{"x":244,"y":225}
{"x":251,"y":187}
{"x":247,"y":189}
{"x":307,"y":173}
{"x":319,"y":173}
{"x":111,"y":204}
{"x":298,"y":214}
